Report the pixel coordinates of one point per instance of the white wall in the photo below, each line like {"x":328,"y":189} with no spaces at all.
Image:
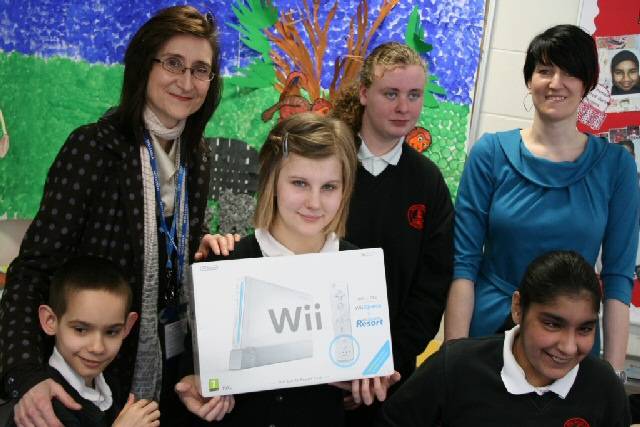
{"x":11,"y":233}
{"x":515,"y":23}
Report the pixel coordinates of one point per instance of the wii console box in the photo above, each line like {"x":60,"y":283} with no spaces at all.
{"x":291,"y":321}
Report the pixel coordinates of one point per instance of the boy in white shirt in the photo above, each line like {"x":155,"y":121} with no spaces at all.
{"x":88,"y":314}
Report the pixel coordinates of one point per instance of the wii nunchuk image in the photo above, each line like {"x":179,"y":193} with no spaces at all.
{"x":292,"y":321}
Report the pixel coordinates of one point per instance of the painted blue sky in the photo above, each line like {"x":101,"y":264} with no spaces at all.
{"x":98,"y":31}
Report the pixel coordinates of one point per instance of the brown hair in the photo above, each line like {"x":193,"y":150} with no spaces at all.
{"x":139,"y":58}
{"x":314,"y":137}
{"x":390,"y":55}
{"x":87,"y":273}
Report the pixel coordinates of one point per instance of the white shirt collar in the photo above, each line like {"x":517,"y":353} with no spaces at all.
{"x":99,"y":395}
{"x":513,"y":375}
{"x":376,"y":164}
{"x":167,"y":169}
{"x":269,"y":246}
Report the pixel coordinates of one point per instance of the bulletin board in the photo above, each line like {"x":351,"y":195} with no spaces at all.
{"x":615,"y":26}
{"x":613,"y":109}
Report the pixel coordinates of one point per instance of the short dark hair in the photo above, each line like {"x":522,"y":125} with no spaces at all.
{"x":559,"y":273}
{"x":570,"y":48}
{"x":139,"y":58}
{"x":623,"y":55}
{"x":87,"y":273}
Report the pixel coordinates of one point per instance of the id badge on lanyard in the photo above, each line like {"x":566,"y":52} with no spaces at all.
{"x":175,"y":325}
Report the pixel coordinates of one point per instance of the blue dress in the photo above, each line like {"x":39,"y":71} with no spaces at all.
{"x":513,"y":206}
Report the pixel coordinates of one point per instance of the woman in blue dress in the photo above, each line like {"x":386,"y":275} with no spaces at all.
{"x":525,"y":192}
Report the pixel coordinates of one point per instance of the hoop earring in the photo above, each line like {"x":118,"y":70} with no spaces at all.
{"x":524,"y":102}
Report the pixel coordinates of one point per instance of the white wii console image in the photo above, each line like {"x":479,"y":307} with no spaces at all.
{"x":290,"y":321}
{"x":271,"y":325}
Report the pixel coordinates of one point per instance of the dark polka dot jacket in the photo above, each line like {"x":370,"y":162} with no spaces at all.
{"x":93,"y":205}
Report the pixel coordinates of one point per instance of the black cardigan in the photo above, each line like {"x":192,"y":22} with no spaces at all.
{"x":93,"y":204}
{"x":407,"y":211}
{"x":461,"y":385}
{"x":90,"y":415}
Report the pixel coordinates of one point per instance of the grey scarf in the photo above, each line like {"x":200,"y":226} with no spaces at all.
{"x":147,"y":374}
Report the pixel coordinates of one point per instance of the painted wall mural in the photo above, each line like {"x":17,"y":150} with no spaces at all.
{"x":60,"y":68}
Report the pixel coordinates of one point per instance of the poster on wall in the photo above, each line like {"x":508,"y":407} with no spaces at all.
{"x":618,"y":60}
{"x":612,"y":110}
{"x":61,"y":67}
{"x":615,"y":103}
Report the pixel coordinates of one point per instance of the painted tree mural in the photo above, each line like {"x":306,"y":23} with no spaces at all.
{"x":60,"y":67}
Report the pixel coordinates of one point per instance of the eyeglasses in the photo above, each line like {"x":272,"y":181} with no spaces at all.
{"x":174,"y":65}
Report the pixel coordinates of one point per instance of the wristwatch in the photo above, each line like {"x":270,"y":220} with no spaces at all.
{"x":622,"y":375}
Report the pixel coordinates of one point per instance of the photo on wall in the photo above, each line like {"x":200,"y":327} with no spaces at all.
{"x":618,"y":58}
{"x":629,"y":138}
{"x":617,"y":134}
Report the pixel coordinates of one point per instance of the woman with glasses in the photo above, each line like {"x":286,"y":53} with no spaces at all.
{"x":132,"y":188}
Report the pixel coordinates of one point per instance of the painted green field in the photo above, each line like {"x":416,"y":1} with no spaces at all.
{"x":44,"y":100}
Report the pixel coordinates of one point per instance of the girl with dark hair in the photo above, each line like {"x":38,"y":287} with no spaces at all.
{"x":539,"y":373}
{"x":131,"y":188}
{"x":525,"y":192}
{"x":624,"y":73}
{"x":307,"y":172}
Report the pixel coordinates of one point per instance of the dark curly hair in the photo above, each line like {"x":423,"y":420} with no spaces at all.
{"x":390,"y":55}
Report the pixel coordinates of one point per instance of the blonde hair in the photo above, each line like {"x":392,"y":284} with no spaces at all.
{"x":389,"y":56}
{"x":314,"y":137}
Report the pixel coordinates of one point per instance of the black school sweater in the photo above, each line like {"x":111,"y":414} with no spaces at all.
{"x":407,"y":211}
{"x":461,"y":386}
{"x":90,"y":415}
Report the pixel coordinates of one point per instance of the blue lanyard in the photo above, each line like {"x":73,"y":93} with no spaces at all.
{"x":170,"y":234}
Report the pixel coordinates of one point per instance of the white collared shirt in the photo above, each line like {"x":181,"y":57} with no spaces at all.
{"x":99,"y":395}
{"x":269,"y":246}
{"x":375,"y":165}
{"x":514,"y":378}
{"x":167,"y":170}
